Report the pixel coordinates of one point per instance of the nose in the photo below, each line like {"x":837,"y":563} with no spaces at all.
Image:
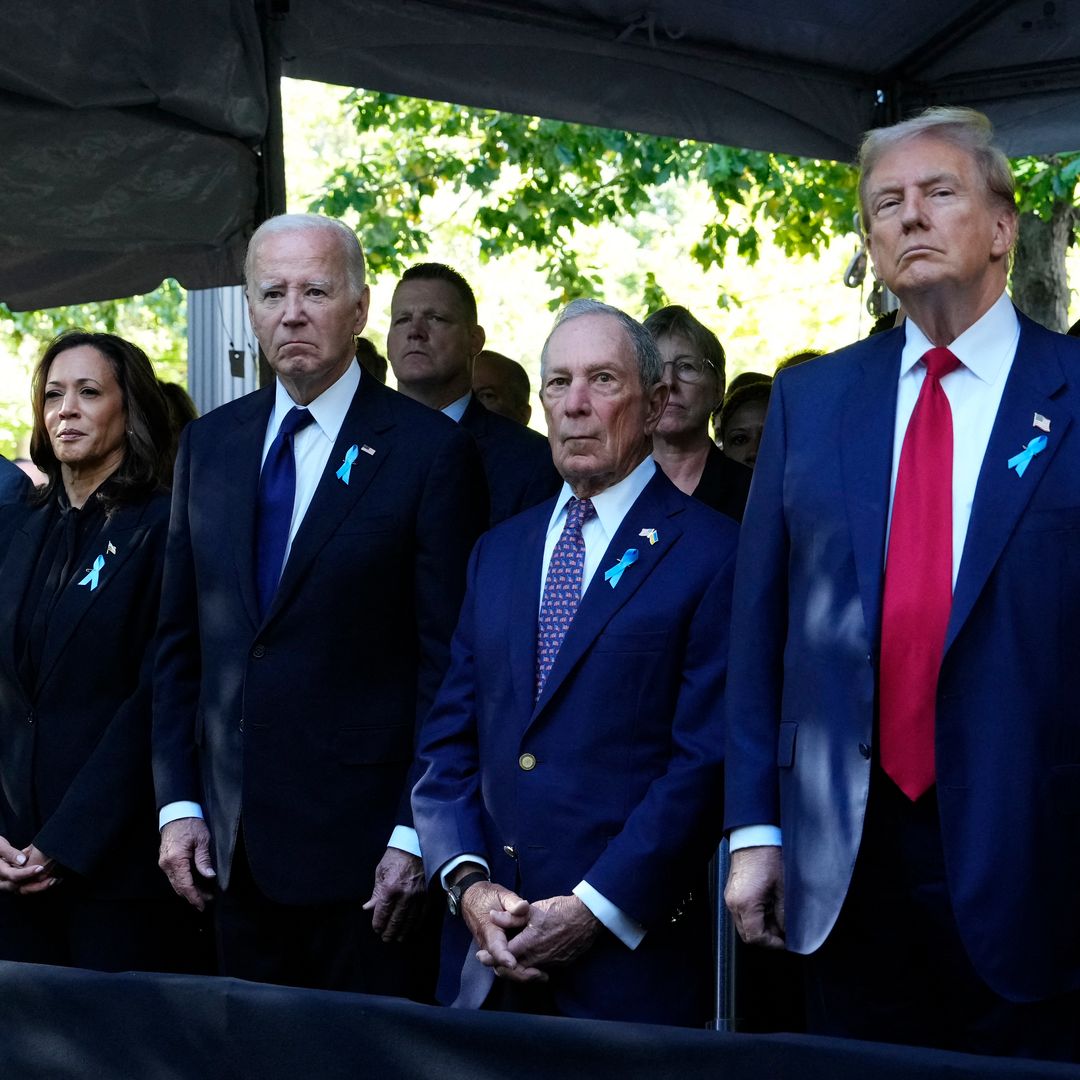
{"x":417,"y":327}
{"x":667,"y":374}
{"x":913,"y":210}
{"x":576,"y":399}
{"x":294,"y":308}
{"x":69,"y":405}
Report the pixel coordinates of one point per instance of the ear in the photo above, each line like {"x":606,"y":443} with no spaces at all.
{"x":362,"y":305}
{"x":477,"y":338}
{"x":1006,"y":224}
{"x":656,"y":399}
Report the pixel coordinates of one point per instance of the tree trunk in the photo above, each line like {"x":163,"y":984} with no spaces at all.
{"x":1040,"y":286}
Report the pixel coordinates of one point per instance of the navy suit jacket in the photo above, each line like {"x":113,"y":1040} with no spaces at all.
{"x":517,"y":461}
{"x":805,"y":641}
{"x":627,"y":739}
{"x":75,"y":772}
{"x":14,"y":483}
{"x":304,"y":720}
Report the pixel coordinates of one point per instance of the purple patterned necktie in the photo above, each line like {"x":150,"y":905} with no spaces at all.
{"x":562,"y":589}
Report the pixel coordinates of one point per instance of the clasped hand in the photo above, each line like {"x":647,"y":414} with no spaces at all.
{"x":521,"y":940}
{"x":26,"y":872}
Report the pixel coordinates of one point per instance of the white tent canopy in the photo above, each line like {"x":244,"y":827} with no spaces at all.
{"x":140,"y":136}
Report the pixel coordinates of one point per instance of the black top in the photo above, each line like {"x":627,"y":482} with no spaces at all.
{"x":69,"y":536}
{"x":724,"y":484}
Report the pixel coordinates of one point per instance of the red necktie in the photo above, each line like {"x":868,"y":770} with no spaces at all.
{"x":918,"y":585}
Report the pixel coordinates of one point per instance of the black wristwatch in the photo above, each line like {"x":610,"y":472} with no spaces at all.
{"x":455,"y":893}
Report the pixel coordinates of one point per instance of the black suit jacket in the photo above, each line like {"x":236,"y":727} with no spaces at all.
{"x":517,"y":461}
{"x":303,"y":721}
{"x":75,"y":759}
{"x":724,"y":484}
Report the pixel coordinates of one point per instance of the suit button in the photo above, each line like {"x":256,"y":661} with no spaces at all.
{"x":527,"y":762}
{"x":259,"y":652}
{"x":864,"y":750}
{"x":508,"y":849}
{"x":241,"y":723}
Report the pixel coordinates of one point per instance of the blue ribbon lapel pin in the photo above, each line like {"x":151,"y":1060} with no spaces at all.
{"x":93,"y":573}
{"x":1021,"y":461}
{"x":612,"y":575}
{"x":345,"y":472}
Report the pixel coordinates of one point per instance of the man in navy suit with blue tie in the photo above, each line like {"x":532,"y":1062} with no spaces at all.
{"x":573,"y":759}
{"x":315,"y":566}
{"x":903,"y":771}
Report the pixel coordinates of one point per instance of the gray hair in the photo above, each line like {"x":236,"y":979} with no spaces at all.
{"x":351,"y":250}
{"x":967,"y":129}
{"x":649,"y":362}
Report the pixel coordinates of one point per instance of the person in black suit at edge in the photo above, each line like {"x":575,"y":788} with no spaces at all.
{"x":433,"y":338}
{"x":315,"y":567}
{"x":80,"y":578}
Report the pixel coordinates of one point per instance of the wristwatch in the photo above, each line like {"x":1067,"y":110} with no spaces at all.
{"x":455,"y":893}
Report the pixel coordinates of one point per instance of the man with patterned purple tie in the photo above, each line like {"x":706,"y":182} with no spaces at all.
{"x":903,"y":732}
{"x":573,"y":759}
{"x":314,"y":571}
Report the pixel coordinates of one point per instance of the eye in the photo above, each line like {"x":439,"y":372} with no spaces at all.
{"x":50,"y":394}
{"x":604,"y":377}
{"x":685,"y":367}
{"x":272,"y":294}
{"x":89,"y":391}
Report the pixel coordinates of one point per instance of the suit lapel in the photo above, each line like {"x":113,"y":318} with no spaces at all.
{"x":118,"y":538}
{"x":1001,"y":495}
{"x":655,"y":508}
{"x":866,"y":448}
{"x":525,"y":608}
{"x":369,"y":424}
{"x":240,"y":457}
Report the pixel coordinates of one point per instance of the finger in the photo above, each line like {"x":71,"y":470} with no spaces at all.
{"x":494,"y":942}
{"x":521,"y":974}
{"x":37,"y":886}
{"x":184,"y":886}
{"x":9,"y":855}
{"x":507,"y":920}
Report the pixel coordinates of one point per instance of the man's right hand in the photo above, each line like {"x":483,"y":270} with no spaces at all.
{"x":491,"y":911}
{"x":754,"y":895}
{"x":185,"y":858}
{"x":19,"y":872}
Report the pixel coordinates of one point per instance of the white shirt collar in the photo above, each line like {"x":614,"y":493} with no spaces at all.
{"x":982,"y":348}
{"x":456,"y":409}
{"x":328,"y":409}
{"x":612,"y":503}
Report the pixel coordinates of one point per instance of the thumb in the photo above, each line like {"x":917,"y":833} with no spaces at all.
{"x":202,"y":857}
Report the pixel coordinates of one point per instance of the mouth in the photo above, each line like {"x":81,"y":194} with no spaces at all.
{"x":69,"y":435}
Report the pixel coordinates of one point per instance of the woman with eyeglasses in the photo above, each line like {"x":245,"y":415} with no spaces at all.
{"x":694,"y":374}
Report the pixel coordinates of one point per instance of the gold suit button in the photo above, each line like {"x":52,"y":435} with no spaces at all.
{"x":527,"y":762}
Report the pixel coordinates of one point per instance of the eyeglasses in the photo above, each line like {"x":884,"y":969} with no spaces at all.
{"x":688,"y":369}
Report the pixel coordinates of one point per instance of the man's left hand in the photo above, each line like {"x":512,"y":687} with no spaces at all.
{"x":560,"y":929}
{"x":46,"y":878}
{"x":397,"y":901}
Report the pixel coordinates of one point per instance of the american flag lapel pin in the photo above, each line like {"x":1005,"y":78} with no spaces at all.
{"x":367,"y":449}
{"x":1041,"y":422}
{"x":111,"y":548}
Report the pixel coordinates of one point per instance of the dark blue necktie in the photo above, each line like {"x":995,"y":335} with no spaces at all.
{"x":277,"y":493}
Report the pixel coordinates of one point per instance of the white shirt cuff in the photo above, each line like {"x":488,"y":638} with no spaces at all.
{"x":452,"y":864}
{"x":404,"y":838}
{"x":755,"y":836}
{"x":629,"y":932}
{"x":174,"y":811}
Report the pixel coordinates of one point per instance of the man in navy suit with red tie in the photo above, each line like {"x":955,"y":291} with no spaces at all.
{"x":314,"y":570}
{"x":903,"y":770}
{"x":573,"y":759}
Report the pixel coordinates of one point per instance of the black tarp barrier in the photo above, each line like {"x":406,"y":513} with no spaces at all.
{"x":58,"y":1023}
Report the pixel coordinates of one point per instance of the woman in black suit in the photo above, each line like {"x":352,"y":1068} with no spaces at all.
{"x":80,"y":577}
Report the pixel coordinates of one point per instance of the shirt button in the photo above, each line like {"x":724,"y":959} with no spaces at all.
{"x":527,"y":762}
{"x":259,"y":651}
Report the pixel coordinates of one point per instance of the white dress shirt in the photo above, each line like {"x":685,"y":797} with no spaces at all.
{"x":611,"y":506}
{"x":986,"y":351}
{"x":456,"y":409}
